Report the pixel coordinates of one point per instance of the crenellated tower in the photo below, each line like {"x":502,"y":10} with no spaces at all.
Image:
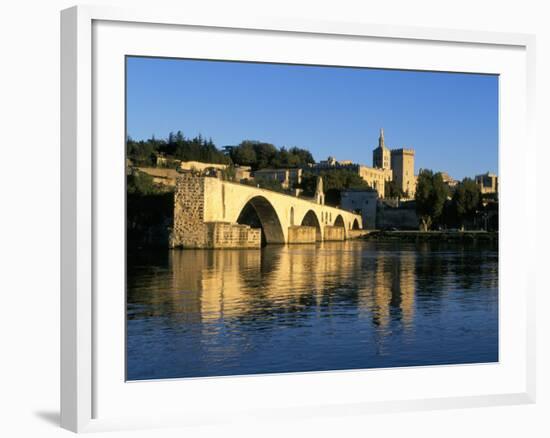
{"x":402,"y":165}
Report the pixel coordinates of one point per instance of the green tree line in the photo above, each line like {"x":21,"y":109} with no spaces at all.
{"x":256,"y":154}
{"x":261,"y":155}
{"x":176,"y":146}
{"x":436,"y":205}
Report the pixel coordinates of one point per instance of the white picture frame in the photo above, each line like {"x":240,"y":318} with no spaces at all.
{"x":87,"y":388}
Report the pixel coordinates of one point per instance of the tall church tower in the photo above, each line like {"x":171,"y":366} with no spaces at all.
{"x":381,"y":156}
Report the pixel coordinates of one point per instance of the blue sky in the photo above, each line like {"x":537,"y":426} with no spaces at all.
{"x":450,"y":119}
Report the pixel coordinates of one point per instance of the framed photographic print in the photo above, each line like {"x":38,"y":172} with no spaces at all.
{"x":257,"y":208}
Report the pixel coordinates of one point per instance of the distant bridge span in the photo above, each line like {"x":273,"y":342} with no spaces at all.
{"x":210,"y":212}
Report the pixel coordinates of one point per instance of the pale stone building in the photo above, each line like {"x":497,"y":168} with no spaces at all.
{"x":200,"y":167}
{"x":329,"y":162}
{"x":242,"y":172}
{"x":332,"y":162}
{"x":449,"y":180}
{"x":287,"y":177}
{"x":487,"y":182}
{"x":376,"y":178}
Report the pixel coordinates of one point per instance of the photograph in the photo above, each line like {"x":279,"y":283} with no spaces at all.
{"x":291,"y":218}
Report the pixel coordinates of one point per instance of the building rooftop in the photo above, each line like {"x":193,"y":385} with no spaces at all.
{"x":491,"y":174}
{"x":279,"y":169}
{"x":366,"y":189}
{"x":403,"y":150}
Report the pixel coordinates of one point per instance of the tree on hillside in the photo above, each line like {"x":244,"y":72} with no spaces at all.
{"x":292,"y":158}
{"x":431,"y":193}
{"x":282,"y":159}
{"x":304,"y":156}
{"x":142,"y":153}
{"x":253,"y":153}
{"x":244,"y":154}
{"x":261,"y":155}
{"x":265,"y":153}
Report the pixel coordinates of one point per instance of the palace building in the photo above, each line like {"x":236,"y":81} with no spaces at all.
{"x":400,"y":162}
{"x":387,"y":165}
{"x":487,"y":182}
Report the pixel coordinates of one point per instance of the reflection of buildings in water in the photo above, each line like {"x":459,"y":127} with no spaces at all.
{"x":219,"y":285}
{"x":376,"y":296}
{"x":404,"y":293}
{"x":391,"y":288}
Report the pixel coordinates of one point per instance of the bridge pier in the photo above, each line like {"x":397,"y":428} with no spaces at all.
{"x":334,"y":233}
{"x":302,"y":234}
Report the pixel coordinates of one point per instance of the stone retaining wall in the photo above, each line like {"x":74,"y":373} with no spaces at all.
{"x":400,"y":218}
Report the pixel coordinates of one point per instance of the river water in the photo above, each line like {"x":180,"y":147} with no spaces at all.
{"x":330,"y":306}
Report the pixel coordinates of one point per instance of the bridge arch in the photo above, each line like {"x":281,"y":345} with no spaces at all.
{"x":339,"y":222}
{"x":310,"y":219}
{"x":258,"y":212}
{"x":355,"y":224}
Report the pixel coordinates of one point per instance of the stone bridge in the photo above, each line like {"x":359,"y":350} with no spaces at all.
{"x":212,"y":213}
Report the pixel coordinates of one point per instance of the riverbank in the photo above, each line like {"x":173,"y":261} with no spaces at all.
{"x":440,"y":236}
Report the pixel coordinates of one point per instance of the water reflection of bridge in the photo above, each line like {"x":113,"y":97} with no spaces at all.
{"x":210,"y":286}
